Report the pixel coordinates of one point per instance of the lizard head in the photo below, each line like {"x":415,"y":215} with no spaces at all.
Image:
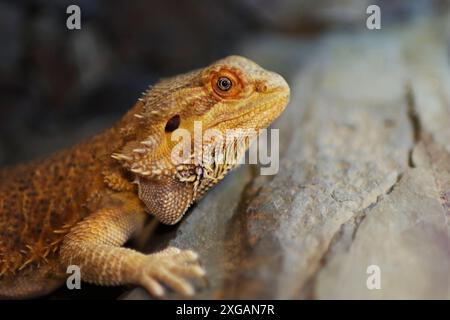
{"x":232,"y":94}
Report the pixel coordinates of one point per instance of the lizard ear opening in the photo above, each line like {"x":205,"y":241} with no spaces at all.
{"x":172,"y":124}
{"x":165,"y":198}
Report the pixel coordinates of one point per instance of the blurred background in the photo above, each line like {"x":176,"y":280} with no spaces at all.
{"x":58,"y":86}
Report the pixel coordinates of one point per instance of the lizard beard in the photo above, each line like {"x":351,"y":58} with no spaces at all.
{"x":166,"y":198}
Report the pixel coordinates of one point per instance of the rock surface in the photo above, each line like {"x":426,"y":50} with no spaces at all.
{"x":364,"y":178}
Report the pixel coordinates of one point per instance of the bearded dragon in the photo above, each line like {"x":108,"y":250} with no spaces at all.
{"x":79,"y":206}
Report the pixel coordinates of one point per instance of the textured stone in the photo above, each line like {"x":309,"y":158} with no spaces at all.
{"x":406,"y":236}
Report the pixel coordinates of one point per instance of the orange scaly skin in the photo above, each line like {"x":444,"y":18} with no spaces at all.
{"x":79,"y":206}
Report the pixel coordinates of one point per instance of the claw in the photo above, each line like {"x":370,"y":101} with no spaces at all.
{"x":170,"y":267}
{"x":191,"y":255}
{"x":177,"y":283}
{"x":190,"y":271}
{"x":153,"y":287}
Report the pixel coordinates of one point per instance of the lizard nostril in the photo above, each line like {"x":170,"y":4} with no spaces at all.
{"x":262,"y":87}
{"x":172,"y":124}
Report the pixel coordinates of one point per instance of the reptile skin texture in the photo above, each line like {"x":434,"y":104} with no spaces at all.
{"x":80,"y":205}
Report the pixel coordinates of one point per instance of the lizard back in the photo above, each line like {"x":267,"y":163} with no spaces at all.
{"x":40,"y":201}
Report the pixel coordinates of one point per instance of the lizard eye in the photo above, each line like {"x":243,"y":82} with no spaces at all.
{"x":224,"y":83}
{"x":172,"y":124}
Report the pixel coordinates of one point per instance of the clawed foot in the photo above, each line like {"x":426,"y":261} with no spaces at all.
{"x":170,"y":267}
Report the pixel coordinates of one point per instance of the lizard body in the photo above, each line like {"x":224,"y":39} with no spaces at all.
{"x":80,"y":205}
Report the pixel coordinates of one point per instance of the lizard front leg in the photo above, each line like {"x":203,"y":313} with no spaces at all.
{"x":95,"y":243}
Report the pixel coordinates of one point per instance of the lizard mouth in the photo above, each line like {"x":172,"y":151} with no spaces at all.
{"x":264,"y":110}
